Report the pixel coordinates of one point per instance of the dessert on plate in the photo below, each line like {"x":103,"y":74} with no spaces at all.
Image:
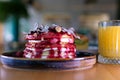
{"x":50,"y":42}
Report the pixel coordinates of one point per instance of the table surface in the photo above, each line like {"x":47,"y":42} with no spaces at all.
{"x":98,"y":72}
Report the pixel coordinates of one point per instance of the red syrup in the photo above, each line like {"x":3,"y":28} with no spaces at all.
{"x":19,"y":54}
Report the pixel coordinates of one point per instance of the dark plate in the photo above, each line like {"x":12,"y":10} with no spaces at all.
{"x":84,"y":60}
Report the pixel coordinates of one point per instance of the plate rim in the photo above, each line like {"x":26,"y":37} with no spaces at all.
{"x":49,"y":59}
{"x":49,"y":64}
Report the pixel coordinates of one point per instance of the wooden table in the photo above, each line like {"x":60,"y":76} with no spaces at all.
{"x":98,"y":72}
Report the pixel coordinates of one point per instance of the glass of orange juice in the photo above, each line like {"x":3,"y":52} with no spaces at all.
{"x":109,"y":42}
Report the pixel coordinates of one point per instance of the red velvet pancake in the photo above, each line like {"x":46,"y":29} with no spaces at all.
{"x":50,"y":42}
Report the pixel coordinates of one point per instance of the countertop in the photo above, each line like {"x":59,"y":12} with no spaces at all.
{"x":98,"y":72}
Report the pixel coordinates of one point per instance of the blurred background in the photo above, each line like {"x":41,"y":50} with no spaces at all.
{"x":18,"y":17}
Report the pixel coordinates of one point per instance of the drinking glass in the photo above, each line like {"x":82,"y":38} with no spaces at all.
{"x":109,"y":42}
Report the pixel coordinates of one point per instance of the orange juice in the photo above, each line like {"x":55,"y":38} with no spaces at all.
{"x":109,"y":41}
